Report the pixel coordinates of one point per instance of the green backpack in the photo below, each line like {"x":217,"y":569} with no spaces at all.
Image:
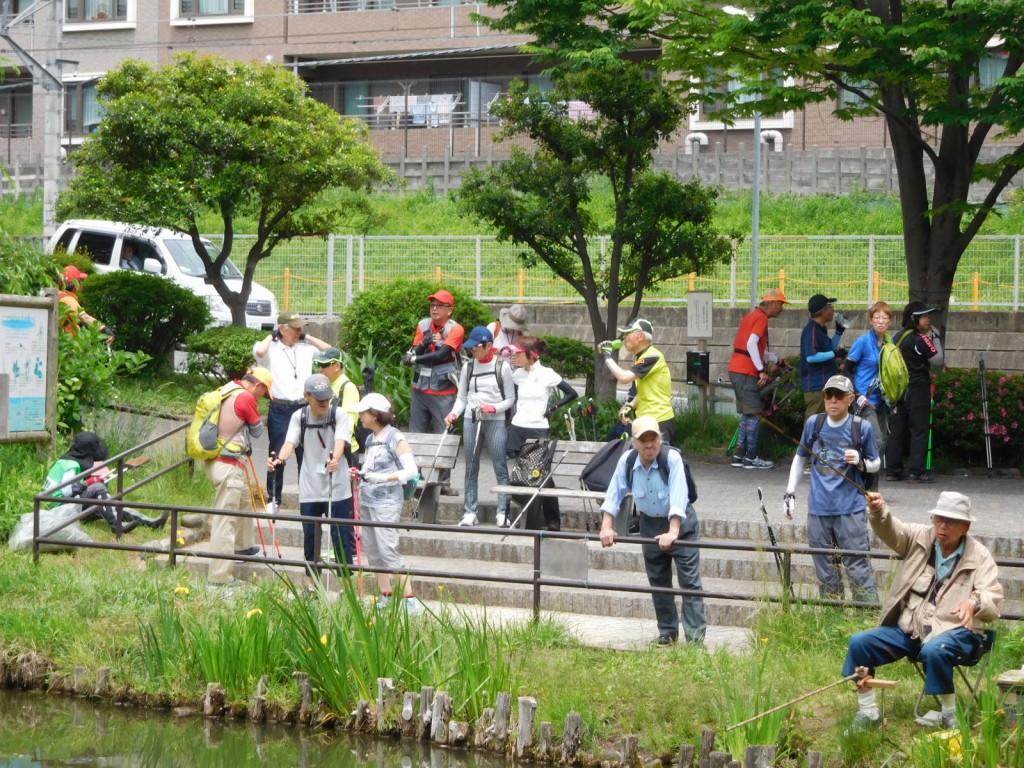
{"x":202,"y":442}
{"x":893,"y":374}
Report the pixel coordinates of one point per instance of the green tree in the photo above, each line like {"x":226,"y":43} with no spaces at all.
{"x":661,"y":228}
{"x":209,"y":134}
{"x":915,"y":64}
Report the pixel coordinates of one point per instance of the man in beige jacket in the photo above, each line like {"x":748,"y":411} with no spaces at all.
{"x":946,"y":585}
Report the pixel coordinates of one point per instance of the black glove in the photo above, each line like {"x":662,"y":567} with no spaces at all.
{"x":548,"y":411}
{"x":409,"y":358}
{"x":841,"y":323}
{"x":77,"y":489}
{"x":369,"y":377}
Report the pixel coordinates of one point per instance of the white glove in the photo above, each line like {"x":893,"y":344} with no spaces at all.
{"x":862,"y":401}
{"x":851,"y":456}
{"x":771,"y":358}
{"x":375,"y":477}
{"x":789,"y":505}
{"x":936,"y":334}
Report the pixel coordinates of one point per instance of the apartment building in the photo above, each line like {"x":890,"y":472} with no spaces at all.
{"x":421,"y":73}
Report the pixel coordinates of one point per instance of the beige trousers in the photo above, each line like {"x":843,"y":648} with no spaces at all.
{"x":228,"y":533}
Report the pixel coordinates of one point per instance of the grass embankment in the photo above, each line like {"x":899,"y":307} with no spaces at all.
{"x":165,"y":635}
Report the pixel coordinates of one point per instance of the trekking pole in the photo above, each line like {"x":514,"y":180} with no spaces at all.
{"x":984,"y":413}
{"x":861,"y":675}
{"x":252,"y":501}
{"x":526,"y":506}
{"x":593,"y":417}
{"x":356,"y":531}
{"x":570,"y":424}
{"x":263,"y":501}
{"x":931,"y":421}
{"x":330,"y":528}
{"x":781,"y":562}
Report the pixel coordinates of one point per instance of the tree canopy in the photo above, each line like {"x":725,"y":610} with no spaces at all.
{"x":241,"y":139}
{"x":601,"y":121}
{"x":945,"y":76}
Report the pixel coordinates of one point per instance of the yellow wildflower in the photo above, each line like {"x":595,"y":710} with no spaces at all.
{"x":254,"y":612}
{"x":323,"y":639}
{"x":181,"y":589}
{"x":181,"y":541}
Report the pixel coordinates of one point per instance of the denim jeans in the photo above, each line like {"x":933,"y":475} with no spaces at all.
{"x":492,"y":434}
{"x":659,"y":574}
{"x":939,"y":655}
{"x":343,"y":538}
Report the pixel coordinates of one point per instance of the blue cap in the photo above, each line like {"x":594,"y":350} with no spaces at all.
{"x":479,"y":335}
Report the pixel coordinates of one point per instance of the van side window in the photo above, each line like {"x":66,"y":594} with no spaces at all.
{"x":65,"y":239}
{"x":97,"y":245}
{"x":147,"y":250}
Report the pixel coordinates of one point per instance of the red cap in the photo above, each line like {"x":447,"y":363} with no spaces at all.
{"x":71,"y":272}
{"x":443,"y":297}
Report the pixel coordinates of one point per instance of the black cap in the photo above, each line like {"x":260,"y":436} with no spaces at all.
{"x":818,"y":302}
{"x":913,"y":311}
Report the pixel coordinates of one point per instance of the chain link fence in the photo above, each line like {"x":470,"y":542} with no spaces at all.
{"x":319,"y":276}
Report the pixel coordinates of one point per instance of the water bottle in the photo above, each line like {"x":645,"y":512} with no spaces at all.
{"x":616,"y":344}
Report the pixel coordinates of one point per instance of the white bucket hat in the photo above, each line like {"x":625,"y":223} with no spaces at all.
{"x":953,"y":506}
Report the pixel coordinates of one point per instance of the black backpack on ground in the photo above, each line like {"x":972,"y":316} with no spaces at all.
{"x":597,"y":475}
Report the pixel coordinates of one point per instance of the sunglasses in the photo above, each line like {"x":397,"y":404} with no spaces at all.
{"x":835,"y":394}
{"x":436,"y":304}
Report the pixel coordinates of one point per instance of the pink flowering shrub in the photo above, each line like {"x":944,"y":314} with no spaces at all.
{"x":959,"y":432}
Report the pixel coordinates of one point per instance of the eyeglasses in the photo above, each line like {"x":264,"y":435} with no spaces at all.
{"x":946,"y":522}
{"x":436,"y":304}
{"x":835,"y":394}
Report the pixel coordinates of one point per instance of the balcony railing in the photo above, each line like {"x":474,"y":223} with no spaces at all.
{"x":348,"y":6}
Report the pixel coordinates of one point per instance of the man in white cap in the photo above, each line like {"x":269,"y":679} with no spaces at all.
{"x":649,"y":379}
{"x":843,"y":457}
{"x":288,"y":354}
{"x":656,"y":476}
{"x":945,"y":587}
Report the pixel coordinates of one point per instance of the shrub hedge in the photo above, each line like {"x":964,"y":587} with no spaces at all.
{"x":224,"y":353}
{"x":148,"y":313}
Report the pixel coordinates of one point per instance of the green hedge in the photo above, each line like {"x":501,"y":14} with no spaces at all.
{"x":383,"y":319}
{"x":148,"y":313}
{"x":222,"y":354}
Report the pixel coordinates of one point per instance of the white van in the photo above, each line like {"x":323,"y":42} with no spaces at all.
{"x":162,"y":252}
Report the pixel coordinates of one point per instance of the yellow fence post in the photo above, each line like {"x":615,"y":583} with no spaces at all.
{"x":522,"y":283}
{"x":782,"y":281}
{"x":693,"y":281}
{"x":976,"y":289}
{"x":876,"y":286}
{"x":437,"y":274}
{"x":287,"y":286}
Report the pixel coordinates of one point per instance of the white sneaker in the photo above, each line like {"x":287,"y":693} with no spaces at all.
{"x":469,"y":519}
{"x":501,"y":521}
{"x":413,"y":606}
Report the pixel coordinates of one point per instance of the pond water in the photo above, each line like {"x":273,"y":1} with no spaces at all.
{"x":38,"y":729}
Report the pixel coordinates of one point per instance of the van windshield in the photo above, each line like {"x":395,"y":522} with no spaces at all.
{"x":190,"y":264}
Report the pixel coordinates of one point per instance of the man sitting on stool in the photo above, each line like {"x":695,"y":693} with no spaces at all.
{"x":946,"y":583}
{"x":665,"y":515}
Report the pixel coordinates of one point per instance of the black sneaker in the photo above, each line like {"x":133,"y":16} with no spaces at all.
{"x":895,"y":477}
{"x":666,"y":639}
{"x":924,"y":477}
{"x":250,"y":552}
{"x":737,"y":461}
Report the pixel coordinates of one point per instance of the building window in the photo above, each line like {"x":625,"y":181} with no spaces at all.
{"x":96,"y":10}
{"x":991,"y":68}
{"x":849,"y":100}
{"x":82,"y":110}
{"x":202,"y":8}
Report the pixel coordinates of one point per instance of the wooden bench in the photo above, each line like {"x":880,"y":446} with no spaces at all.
{"x":433,"y":453}
{"x":568,"y":463}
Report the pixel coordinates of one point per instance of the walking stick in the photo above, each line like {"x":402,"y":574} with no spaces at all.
{"x":263,"y":501}
{"x":252,"y":501}
{"x":570,"y":425}
{"x":318,"y":549}
{"x":781,"y":562}
{"x":357,"y":532}
{"x":984,"y":413}
{"x":526,"y":506}
{"x":426,"y":510}
{"x":864,"y":680}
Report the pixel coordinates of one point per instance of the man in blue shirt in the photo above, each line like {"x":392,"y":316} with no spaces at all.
{"x":666,"y":516}
{"x":817,"y":351}
{"x":836,"y":506}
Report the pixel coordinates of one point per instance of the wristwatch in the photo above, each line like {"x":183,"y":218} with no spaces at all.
{"x":977,"y":604}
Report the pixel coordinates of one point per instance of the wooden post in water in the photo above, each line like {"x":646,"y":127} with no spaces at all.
{"x":407,"y":720}
{"x":686,"y":753}
{"x":707,"y":743}
{"x":102,"y":682}
{"x":572,"y":738}
{"x":502,"y":715}
{"x":629,"y":750}
{"x":524,"y":736}
{"x":545,"y":744}
{"x":426,"y":707}
{"x":305,"y":697}
{"x":483,"y":733}
{"x":440,"y":714}
{"x":759,"y":756}
{"x":385,"y":698}
{"x":258,"y":705}
{"x":213,"y":702}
